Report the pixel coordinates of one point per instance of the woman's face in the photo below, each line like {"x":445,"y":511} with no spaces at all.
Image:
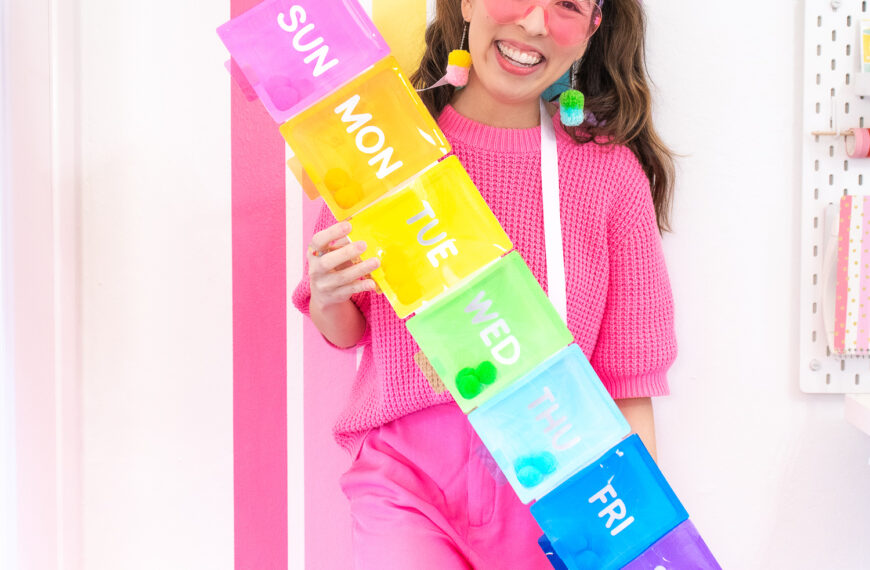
{"x":514,"y":63}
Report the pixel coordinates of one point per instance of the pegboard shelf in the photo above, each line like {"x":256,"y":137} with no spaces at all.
{"x":832,"y":104}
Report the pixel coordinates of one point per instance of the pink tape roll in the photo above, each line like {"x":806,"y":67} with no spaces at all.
{"x":858,"y":144}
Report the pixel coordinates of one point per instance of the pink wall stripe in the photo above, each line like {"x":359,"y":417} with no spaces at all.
{"x":328,"y":376}
{"x":259,"y":334}
{"x":842,"y":274}
{"x":864,"y":292}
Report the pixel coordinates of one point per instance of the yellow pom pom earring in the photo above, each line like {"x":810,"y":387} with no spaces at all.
{"x":458,"y":66}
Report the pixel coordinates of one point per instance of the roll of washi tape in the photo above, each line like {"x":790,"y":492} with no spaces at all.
{"x":858,"y":143}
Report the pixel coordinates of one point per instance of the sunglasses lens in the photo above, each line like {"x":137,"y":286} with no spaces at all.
{"x":569,"y":21}
{"x":573,"y":21}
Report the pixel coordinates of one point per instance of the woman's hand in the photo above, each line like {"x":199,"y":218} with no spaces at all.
{"x":334,"y":266}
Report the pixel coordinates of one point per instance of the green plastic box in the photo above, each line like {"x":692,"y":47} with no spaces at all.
{"x":489,"y":331}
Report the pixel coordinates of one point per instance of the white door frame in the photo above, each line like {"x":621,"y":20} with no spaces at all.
{"x":40,"y":277}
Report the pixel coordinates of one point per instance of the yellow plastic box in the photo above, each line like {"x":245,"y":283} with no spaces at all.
{"x":365,"y":139}
{"x":429,"y":236}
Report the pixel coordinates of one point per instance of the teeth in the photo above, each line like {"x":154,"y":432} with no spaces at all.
{"x":521,"y":57}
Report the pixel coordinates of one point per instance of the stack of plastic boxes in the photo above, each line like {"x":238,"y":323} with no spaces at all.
{"x":374,"y":153}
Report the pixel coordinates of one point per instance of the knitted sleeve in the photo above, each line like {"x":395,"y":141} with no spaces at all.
{"x":636,"y":342}
{"x":302,"y":294}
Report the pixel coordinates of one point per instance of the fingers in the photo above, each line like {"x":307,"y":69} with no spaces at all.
{"x":321,"y":240}
{"x":336,"y":271}
{"x":338,"y":279}
{"x":355,"y":287}
{"x":324,"y":254}
{"x":344,"y":254}
{"x":335,"y":288}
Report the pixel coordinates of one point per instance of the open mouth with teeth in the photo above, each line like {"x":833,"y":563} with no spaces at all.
{"x":517,"y":56}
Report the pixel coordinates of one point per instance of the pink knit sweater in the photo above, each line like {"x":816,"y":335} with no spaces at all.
{"x":620,"y":308}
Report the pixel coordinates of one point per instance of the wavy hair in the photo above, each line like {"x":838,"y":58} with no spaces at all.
{"x":612,"y":75}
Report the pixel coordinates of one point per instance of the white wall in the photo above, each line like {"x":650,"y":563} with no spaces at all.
{"x":157,"y":299}
{"x":772,"y":478}
{"x":40,"y":288}
{"x":8,"y":464}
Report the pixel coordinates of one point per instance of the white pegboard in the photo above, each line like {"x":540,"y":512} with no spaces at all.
{"x":830,"y":103}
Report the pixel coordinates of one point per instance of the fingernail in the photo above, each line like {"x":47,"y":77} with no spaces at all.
{"x":346,"y":227}
{"x":361,"y":246}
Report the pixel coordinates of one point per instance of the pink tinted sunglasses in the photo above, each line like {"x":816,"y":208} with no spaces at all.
{"x":568,"y":21}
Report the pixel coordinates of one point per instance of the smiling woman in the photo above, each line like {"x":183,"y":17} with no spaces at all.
{"x":496,"y":129}
{"x":513,"y":63}
{"x":158,"y":348}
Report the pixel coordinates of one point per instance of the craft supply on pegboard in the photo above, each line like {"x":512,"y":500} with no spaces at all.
{"x":851,"y":298}
{"x":834,"y":165}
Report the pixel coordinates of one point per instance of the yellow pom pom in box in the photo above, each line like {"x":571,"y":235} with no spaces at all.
{"x":366,"y":138}
{"x":429,"y":236}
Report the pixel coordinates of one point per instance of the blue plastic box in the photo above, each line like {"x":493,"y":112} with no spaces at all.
{"x":609,"y":513}
{"x":552,"y":557}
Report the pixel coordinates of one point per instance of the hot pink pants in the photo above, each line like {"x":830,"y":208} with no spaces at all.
{"x":425,"y":494}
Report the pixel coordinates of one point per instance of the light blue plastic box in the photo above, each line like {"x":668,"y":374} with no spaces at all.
{"x":609,"y":513}
{"x":549,"y":424}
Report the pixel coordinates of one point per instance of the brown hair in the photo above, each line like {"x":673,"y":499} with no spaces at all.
{"x":612,"y":75}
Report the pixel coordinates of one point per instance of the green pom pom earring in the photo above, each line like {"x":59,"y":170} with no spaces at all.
{"x":571,"y":102}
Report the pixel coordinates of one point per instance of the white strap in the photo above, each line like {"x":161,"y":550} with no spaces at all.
{"x":552,"y":219}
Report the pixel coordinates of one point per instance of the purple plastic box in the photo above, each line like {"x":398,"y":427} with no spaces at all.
{"x":680,"y":549}
{"x":294,"y":52}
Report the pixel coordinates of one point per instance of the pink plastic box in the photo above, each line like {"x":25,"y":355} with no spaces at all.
{"x":294,"y":52}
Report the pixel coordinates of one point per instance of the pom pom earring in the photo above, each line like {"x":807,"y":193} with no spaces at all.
{"x":571,"y":101}
{"x":458,"y":66}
